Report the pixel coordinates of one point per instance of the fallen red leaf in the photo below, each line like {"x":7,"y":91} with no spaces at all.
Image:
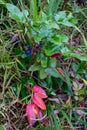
{"x":31,"y":112}
{"x":39,"y":102}
{"x":39,"y":91}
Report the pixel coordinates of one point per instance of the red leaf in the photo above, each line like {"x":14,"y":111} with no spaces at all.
{"x":60,"y":70}
{"x":56,"y":55}
{"x":39,"y":102}
{"x":40,"y":114}
{"x":39,"y":91}
{"x":31,"y":112}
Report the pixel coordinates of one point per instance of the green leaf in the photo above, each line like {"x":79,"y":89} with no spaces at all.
{"x":16,"y":14}
{"x":50,"y":7}
{"x":44,"y":62}
{"x":31,"y":81}
{"x":37,"y":39}
{"x":33,"y":8}
{"x":44,"y":31}
{"x":57,"y":5}
{"x":12,"y":8}
{"x":44,"y":16}
{"x":71,"y":19}
{"x":2,"y":2}
{"x":60,"y":16}
{"x":60,"y":38}
{"x":65,"y":51}
{"x":82,"y":91}
{"x":53,"y":72}
{"x":64,"y":19}
{"x":42,"y":74}
{"x":81,"y":67}
{"x":52,"y":24}
{"x":52,"y":63}
{"x":80,"y":57}
{"x":52,"y":49}
{"x":34,"y":67}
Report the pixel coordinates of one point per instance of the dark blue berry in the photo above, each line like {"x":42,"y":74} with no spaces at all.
{"x":40,"y":45}
{"x":28,"y":52}
{"x":29,"y":47}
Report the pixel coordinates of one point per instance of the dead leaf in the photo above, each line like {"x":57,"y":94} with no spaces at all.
{"x":55,"y":100}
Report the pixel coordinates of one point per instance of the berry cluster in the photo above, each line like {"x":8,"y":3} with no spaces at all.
{"x":30,"y":50}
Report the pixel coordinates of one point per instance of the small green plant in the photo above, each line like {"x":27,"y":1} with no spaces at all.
{"x":42,"y":42}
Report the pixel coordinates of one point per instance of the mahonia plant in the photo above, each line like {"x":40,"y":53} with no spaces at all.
{"x":34,"y":109}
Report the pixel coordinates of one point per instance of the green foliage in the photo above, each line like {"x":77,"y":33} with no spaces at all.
{"x":16,"y":14}
{"x":2,"y":2}
{"x":65,"y":19}
{"x":46,"y":52}
{"x":33,"y":9}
